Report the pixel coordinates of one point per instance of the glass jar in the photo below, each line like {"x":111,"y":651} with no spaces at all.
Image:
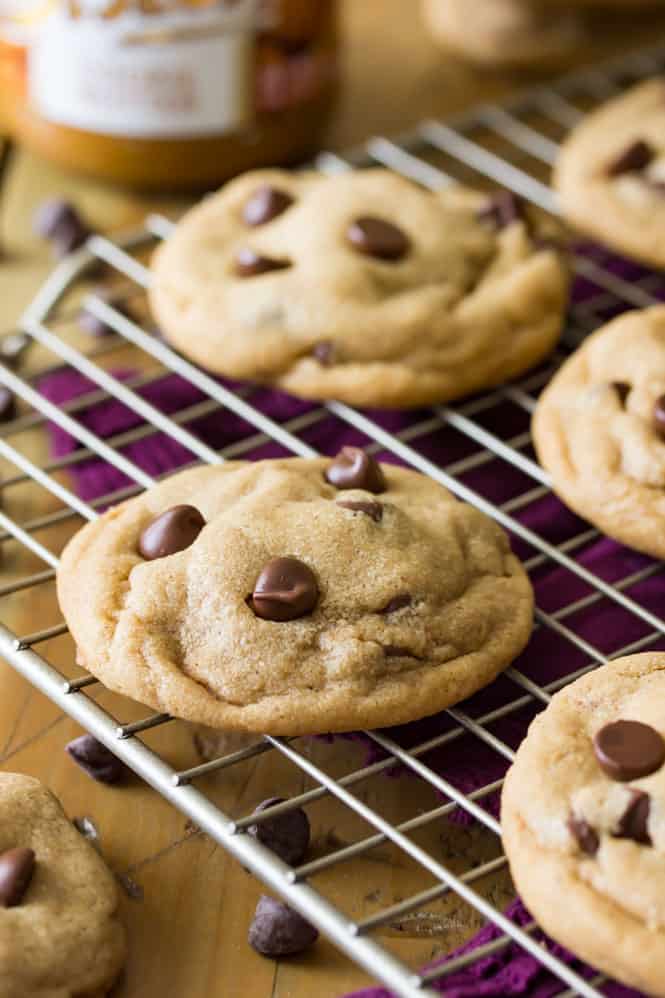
{"x":167,"y":94}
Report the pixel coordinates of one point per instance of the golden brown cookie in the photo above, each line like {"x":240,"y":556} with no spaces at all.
{"x":60,"y":934}
{"x":319,"y":595}
{"x":361,"y":287}
{"x":583,"y":819}
{"x":599,"y":430}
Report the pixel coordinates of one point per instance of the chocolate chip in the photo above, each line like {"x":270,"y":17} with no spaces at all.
{"x":396,"y":603}
{"x":91,"y":323}
{"x":502,"y":209}
{"x":285,"y":590}
{"x":623,"y":389}
{"x":372,"y":509}
{"x":398,"y":651}
{"x":87,"y":828}
{"x":251,"y":264}
{"x":659,"y":416}
{"x":97,"y":761}
{"x":354,"y":469}
{"x":635,"y":158}
{"x":171,"y":532}
{"x":16,"y":869}
{"x":287,"y":835}
{"x":58,"y":221}
{"x":628,"y":750}
{"x":324,"y":352}
{"x":376,"y":237}
{"x":634,"y":820}
{"x":7,"y":404}
{"x":278,"y":930}
{"x":13,"y":346}
{"x":265,"y":204}
{"x":584,"y":835}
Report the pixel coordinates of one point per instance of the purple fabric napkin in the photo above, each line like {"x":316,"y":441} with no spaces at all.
{"x":467,"y":762}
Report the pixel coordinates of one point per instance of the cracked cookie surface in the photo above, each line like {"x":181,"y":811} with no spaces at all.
{"x":301,"y":606}
{"x":361,"y":287}
{"x":60,"y":935}
{"x":610,"y":173}
{"x":599,"y":430}
{"x":583,"y":819}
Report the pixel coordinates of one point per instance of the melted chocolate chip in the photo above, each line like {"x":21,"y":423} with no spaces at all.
{"x":635,"y":158}
{"x":354,"y":469}
{"x":634,"y":820}
{"x":285,"y":590}
{"x":398,"y":651}
{"x":16,"y":869}
{"x":378,"y":238}
{"x":58,"y":221}
{"x":251,"y":264}
{"x":324,"y":352}
{"x":96,"y":760}
{"x":7,"y":404}
{"x":659,"y":416}
{"x":502,"y":209}
{"x":171,"y":532}
{"x":372,"y":509}
{"x":396,"y":603}
{"x":628,"y":750}
{"x":585,"y":836}
{"x":278,"y":930}
{"x":265,"y":204}
{"x":623,"y":389}
{"x":286,"y":834}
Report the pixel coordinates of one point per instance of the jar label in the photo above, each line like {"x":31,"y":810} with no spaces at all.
{"x":179,"y":74}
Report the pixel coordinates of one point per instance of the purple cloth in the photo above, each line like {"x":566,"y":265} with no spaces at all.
{"x":467,"y":762}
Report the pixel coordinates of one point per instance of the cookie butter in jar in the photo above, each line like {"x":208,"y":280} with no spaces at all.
{"x":167,"y":94}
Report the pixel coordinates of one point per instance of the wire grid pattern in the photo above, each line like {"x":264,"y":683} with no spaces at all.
{"x":512,"y":145}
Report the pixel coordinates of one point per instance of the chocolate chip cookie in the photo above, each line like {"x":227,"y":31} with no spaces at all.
{"x":582,"y":819}
{"x":610,"y":174}
{"x":599,"y":429}
{"x":295,"y":596}
{"x":361,"y":287}
{"x":59,"y":928}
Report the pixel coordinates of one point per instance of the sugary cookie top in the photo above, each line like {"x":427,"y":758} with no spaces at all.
{"x":611,"y":172}
{"x":59,"y":930}
{"x":600,"y":428}
{"x":295,"y":596}
{"x":589,"y":782}
{"x":361,"y":286}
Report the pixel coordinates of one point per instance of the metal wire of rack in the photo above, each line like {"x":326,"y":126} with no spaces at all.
{"x":513,"y":145}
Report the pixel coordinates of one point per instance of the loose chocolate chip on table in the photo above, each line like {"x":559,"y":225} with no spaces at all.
{"x":396,"y":603}
{"x":628,"y":750}
{"x":13,"y":346}
{"x":502,"y":209}
{"x":278,"y":930}
{"x":265,"y":204}
{"x":371,"y":509}
{"x":633,"y":159}
{"x":378,"y":238}
{"x":633,"y":822}
{"x":7,"y":404}
{"x":97,"y":761}
{"x":16,"y":869}
{"x":285,"y":590}
{"x":354,"y":469}
{"x":251,"y":264}
{"x":324,"y":352}
{"x":623,"y":389}
{"x":58,"y":221}
{"x":584,"y":835}
{"x":171,"y":532}
{"x":286,"y":834}
{"x":91,"y":323}
{"x":659,"y":415}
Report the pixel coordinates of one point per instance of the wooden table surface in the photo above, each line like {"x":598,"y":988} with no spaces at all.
{"x":187,"y":931}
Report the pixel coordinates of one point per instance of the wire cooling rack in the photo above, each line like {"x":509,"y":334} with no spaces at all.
{"x":512,"y":145}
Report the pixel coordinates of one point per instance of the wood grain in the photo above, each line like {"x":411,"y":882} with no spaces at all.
{"x":188,"y":928}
